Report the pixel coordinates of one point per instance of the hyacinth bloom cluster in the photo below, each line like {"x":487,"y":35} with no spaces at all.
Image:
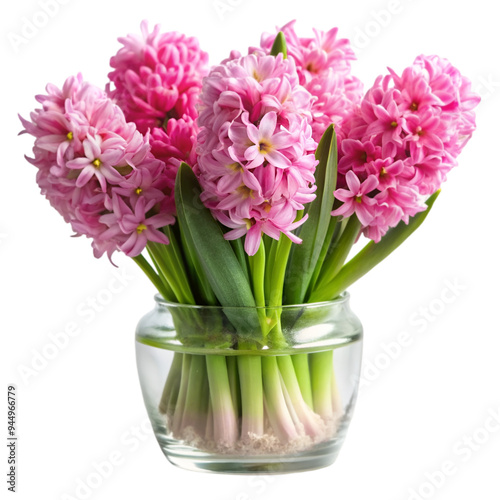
{"x":157,"y":76}
{"x":402,"y":141}
{"x":97,"y":170}
{"x":323,"y":65}
{"x":156,"y":82}
{"x":256,"y":153}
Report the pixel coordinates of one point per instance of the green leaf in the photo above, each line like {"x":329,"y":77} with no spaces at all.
{"x":221,"y":266}
{"x":162,"y":286}
{"x":313,"y":232}
{"x":215,"y":254}
{"x":330,"y":238}
{"x":201,"y":287}
{"x":339,"y":252}
{"x":239,"y":251}
{"x":279,"y":45}
{"x":371,"y":255}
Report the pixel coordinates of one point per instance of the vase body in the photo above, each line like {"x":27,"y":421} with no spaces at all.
{"x":250,"y":390}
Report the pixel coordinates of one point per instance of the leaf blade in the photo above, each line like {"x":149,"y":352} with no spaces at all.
{"x":372,"y":254}
{"x":304,"y":258}
{"x":221,"y":266}
{"x":279,"y":45}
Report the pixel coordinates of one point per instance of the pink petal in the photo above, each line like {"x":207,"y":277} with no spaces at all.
{"x":156,"y":236}
{"x":234,"y":234}
{"x":253,"y":152}
{"x":369,"y":185}
{"x":85,"y":175}
{"x":252,"y":239}
{"x":78,"y":163}
{"x":268,"y":125}
{"x":346,"y":209}
{"x":277,"y":159}
{"x":91,"y":148}
{"x":365,"y":216}
{"x":352,"y":182}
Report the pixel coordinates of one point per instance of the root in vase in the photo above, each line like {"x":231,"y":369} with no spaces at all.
{"x":266,"y":443}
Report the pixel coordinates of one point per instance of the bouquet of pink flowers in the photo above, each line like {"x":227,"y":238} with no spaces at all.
{"x":246,"y":185}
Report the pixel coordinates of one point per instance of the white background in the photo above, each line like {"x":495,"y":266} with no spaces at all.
{"x":415,"y":409}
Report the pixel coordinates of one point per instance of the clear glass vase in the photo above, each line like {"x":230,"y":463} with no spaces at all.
{"x":250,"y":390}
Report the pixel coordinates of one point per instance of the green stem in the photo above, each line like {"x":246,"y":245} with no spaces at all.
{"x":195,"y":407}
{"x":161,"y":275}
{"x":252,"y":401}
{"x":224,"y":415}
{"x":268,"y":278}
{"x":249,"y":366}
{"x":173,"y":380}
{"x":321,"y":364}
{"x":324,"y":252}
{"x":181,"y":400}
{"x":175,"y":254}
{"x":160,"y":285}
{"x":234,"y":384}
{"x":301,"y":366}
{"x":335,"y":261}
{"x":276,"y":293}
{"x":239,"y":251}
{"x":279,"y":270}
{"x":372,"y":254}
{"x":164,"y":271}
{"x":209,"y":429}
{"x":257,"y":264}
{"x":169,"y":267}
{"x":257,"y":269}
{"x":336,"y":401}
{"x":304,"y":413}
{"x":277,"y":410}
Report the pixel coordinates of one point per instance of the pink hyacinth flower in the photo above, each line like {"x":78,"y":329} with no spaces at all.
{"x":99,"y":160}
{"x":407,"y":133}
{"x":157,"y":76}
{"x":356,"y":199}
{"x":133,"y":223}
{"x":323,"y":64}
{"x":91,"y":162}
{"x":266,"y":143}
{"x":255,"y":147}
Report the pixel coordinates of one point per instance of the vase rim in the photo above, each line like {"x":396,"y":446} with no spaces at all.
{"x":343,"y":298}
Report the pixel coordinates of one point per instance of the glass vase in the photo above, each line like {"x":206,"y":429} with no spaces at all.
{"x":250,"y":390}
